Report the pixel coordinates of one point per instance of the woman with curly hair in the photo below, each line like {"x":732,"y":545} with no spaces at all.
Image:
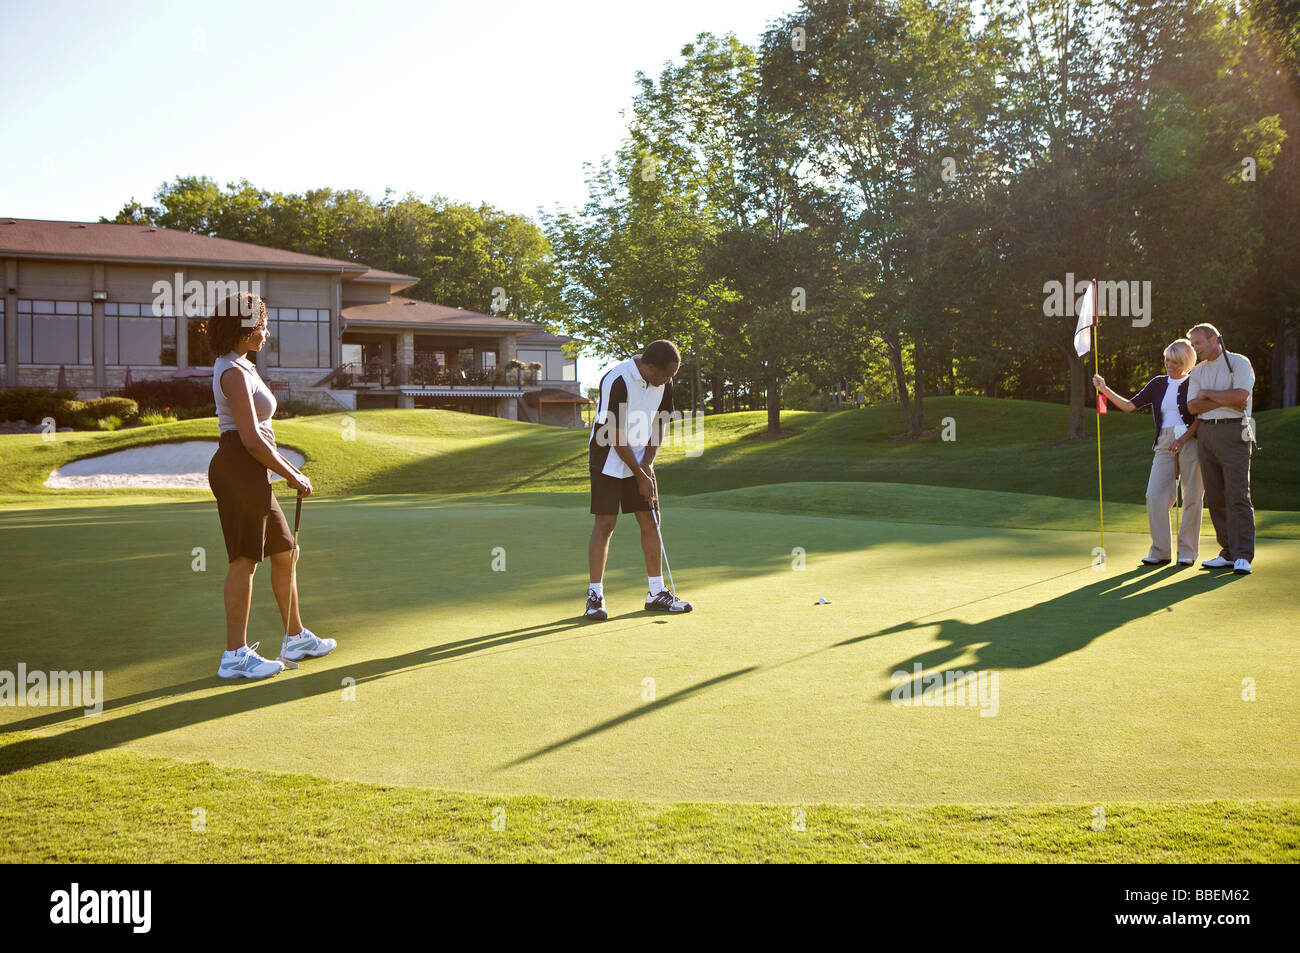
{"x":240,"y":476}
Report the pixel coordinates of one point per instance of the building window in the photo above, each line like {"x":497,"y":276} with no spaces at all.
{"x":134,"y":334}
{"x":299,"y":337}
{"x":54,"y":332}
{"x":552,"y":363}
{"x":197,"y":351}
{"x":489,"y":360}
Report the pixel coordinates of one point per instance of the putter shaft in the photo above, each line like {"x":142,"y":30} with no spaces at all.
{"x":663,"y":552}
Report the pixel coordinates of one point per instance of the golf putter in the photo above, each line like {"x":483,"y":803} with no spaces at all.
{"x":662,"y":551}
{"x":293,"y":585}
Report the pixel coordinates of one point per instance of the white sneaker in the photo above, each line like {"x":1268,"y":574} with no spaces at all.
{"x":244,"y":662}
{"x":1218,"y":562}
{"x":1241,"y":567}
{"x":306,"y":645}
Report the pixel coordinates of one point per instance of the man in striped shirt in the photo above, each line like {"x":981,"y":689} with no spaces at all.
{"x":636,"y":400}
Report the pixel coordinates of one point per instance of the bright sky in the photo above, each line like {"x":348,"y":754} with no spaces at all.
{"x":498,"y":101}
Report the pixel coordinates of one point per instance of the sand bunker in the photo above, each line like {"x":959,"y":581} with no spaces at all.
{"x":160,"y":465}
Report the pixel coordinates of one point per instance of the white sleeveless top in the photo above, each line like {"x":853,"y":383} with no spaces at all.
{"x":264,"y":402}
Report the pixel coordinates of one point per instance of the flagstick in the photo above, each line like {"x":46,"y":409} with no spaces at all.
{"x":1101,"y":510}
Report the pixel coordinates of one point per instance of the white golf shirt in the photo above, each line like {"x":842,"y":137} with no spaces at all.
{"x":626,"y":400}
{"x":1214,"y":375}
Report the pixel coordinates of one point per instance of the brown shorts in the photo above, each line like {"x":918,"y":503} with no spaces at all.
{"x":609,"y":493}
{"x":251,"y":518}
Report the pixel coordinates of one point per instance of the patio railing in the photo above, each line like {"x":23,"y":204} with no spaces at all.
{"x":375,"y":375}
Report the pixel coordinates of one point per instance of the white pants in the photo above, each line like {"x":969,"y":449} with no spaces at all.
{"x":1166,"y":470}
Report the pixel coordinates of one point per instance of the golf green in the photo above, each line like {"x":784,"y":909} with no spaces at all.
{"x":1126,"y":684}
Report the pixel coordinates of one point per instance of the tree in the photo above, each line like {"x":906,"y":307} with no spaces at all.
{"x":887,"y":90}
{"x":459,"y":253}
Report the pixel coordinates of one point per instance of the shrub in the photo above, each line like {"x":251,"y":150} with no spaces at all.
{"x":34,"y":403}
{"x":66,"y":413}
{"x":123,"y":407}
{"x":156,"y":395}
{"x":192,"y":413}
{"x":151,"y":418}
{"x":298,"y":408}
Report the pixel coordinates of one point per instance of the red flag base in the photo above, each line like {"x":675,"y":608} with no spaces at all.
{"x":1101,"y":403}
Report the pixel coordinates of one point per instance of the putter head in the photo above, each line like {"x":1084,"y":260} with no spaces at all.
{"x":287,"y":663}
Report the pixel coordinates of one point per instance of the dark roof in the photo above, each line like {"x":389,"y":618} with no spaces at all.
{"x":544,"y":338}
{"x":387,"y":277}
{"x":36,"y":238}
{"x":553,"y":395}
{"x":406,"y":312}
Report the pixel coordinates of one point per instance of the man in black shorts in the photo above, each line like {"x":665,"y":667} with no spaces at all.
{"x":636,"y":398}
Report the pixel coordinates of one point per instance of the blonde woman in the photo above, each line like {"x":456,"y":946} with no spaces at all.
{"x":1175,"y":455}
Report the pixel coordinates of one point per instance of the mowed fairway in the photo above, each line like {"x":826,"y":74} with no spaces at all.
{"x":475,"y":687}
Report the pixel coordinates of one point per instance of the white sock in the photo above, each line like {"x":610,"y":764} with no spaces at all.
{"x":597,"y":587}
{"x":656,"y":584}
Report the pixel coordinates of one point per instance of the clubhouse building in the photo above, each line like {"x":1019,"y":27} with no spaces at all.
{"x":94,"y":305}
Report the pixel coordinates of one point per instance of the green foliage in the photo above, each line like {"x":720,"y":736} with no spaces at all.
{"x":33,"y":404}
{"x":298,"y":408}
{"x":194,"y":413}
{"x":459,"y":252}
{"x":122,"y":407}
{"x":152,"y":418}
{"x":797,"y":392}
{"x":922,"y":169}
{"x":185,"y":393}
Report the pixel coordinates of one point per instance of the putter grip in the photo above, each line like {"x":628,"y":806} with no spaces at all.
{"x":297,"y":514}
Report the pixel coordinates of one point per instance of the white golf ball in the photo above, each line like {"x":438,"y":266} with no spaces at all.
{"x":821,"y":601}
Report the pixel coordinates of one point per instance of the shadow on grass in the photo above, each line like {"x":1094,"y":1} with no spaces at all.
{"x":1048,"y":630}
{"x":627,"y":716}
{"x":102,"y":733}
{"x":1021,"y":639}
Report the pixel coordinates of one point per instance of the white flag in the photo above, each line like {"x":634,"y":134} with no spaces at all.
{"x":1087,"y":318}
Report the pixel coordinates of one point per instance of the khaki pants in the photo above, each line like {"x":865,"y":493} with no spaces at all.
{"x":1225,"y":462}
{"x":1161,"y":492}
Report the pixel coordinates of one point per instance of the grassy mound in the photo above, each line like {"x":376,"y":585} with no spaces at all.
{"x":1007,"y":446}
